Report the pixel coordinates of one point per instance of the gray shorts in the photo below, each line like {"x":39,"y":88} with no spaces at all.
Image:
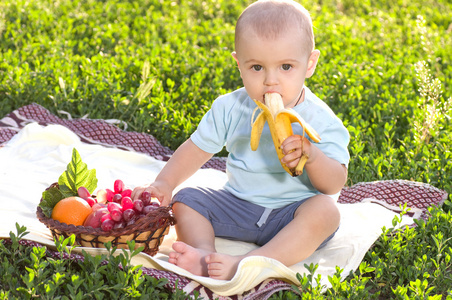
{"x":236,"y":219}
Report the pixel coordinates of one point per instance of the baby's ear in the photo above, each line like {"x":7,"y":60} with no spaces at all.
{"x":234,"y":55}
{"x":312,"y":63}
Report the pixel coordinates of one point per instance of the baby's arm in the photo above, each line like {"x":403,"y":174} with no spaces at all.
{"x":327,"y":175}
{"x":185,"y":161}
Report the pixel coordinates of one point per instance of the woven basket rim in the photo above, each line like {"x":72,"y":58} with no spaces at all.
{"x":146,"y":223}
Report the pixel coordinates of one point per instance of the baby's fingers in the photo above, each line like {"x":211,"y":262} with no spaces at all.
{"x":136,"y":193}
{"x":291,"y":159}
{"x":291,"y":143}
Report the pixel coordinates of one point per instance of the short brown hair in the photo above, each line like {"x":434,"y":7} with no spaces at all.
{"x":269,"y":18}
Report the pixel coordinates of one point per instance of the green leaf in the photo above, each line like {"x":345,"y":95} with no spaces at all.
{"x":77,"y":175}
{"x":50,"y":198}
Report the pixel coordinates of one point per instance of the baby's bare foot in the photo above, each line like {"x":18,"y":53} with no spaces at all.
{"x":189,"y":258}
{"x":222,"y":266}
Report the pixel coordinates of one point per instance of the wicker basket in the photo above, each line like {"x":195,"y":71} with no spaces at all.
{"x":147,"y":231}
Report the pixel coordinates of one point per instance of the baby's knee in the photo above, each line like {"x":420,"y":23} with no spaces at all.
{"x":179,"y":208}
{"x":331,"y":210}
{"x":327,"y":208}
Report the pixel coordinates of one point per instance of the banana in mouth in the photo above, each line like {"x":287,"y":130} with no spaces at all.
{"x":280,"y":122}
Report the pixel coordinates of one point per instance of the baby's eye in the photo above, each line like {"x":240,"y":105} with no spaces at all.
{"x":256,"y":67}
{"x":286,"y":67}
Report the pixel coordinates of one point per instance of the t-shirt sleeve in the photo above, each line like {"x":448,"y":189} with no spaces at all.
{"x":210,"y":135}
{"x":334,"y":143}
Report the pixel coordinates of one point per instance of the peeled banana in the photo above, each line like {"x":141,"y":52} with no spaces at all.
{"x":280,"y":122}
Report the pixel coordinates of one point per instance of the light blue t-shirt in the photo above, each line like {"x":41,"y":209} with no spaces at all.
{"x":257,"y":176}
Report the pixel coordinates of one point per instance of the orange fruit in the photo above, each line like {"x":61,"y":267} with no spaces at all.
{"x":71,"y":210}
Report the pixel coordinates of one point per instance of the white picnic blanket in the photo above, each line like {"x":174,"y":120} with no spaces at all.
{"x":37,"y":155}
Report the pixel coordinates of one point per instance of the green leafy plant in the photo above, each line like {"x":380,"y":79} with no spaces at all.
{"x":40,"y":274}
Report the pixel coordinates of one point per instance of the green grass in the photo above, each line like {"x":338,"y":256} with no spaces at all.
{"x":158,"y":65}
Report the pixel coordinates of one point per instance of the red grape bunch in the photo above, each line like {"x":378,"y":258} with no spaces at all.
{"x":119,"y":210}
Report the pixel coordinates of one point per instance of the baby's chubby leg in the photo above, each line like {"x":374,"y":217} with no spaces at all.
{"x":314,"y":221}
{"x":196,"y":240}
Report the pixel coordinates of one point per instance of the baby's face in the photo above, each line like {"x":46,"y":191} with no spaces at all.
{"x":273,"y":65}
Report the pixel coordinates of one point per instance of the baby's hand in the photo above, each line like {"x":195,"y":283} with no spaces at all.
{"x":293,"y":148}
{"x":163,"y":196}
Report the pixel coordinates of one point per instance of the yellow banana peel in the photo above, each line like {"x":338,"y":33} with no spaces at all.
{"x":280,"y":121}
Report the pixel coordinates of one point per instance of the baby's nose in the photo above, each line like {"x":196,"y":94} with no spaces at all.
{"x":271,"y":78}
